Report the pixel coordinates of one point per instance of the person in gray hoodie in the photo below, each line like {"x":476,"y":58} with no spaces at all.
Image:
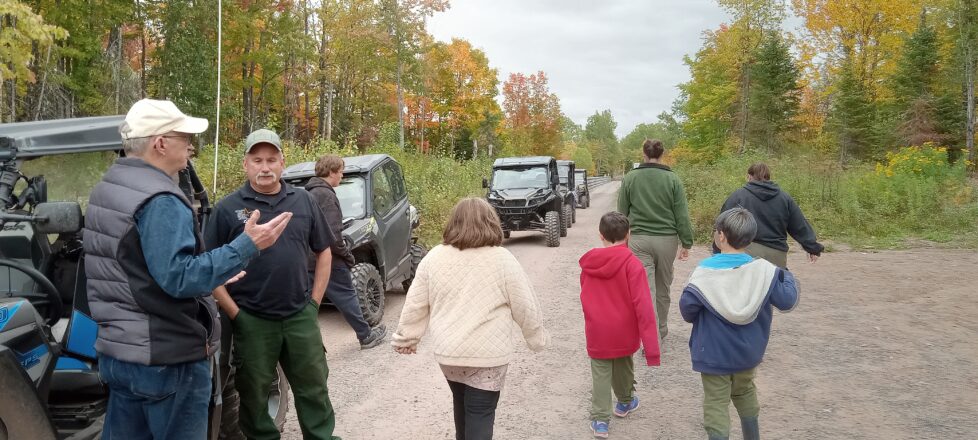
{"x":340,"y":291}
{"x":777,"y":216}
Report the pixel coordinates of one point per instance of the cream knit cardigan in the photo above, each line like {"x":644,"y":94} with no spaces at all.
{"x":470,"y":300}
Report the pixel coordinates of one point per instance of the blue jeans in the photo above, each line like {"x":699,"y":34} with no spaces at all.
{"x":156,"y":402}
{"x":341,"y":293}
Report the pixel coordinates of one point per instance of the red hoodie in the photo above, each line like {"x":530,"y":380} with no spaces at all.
{"x":617,"y":305}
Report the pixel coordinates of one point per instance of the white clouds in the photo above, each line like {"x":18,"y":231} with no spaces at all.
{"x":625,"y":56}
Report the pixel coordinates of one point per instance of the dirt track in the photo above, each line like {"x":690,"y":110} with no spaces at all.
{"x":882,"y":346}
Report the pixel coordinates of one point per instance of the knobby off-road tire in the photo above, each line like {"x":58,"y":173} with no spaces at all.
{"x":370,"y":292}
{"x":587,"y":201}
{"x":552,"y":221}
{"x":565,"y":220}
{"x":417,"y":254}
{"x":573,"y":214}
{"x":278,"y":405}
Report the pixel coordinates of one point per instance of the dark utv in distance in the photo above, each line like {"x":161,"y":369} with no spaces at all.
{"x":525,"y":193}
{"x":568,"y":190}
{"x":378,"y":226}
{"x":583,"y":192}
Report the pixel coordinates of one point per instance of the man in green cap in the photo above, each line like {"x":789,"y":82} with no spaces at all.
{"x":274,"y":309}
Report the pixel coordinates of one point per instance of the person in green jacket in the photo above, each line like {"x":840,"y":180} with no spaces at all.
{"x":653,"y":198}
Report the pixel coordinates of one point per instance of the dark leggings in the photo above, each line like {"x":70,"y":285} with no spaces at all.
{"x":475,"y":411}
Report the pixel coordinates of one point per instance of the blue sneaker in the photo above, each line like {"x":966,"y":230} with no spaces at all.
{"x":600,"y":429}
{"x":622,"y":409}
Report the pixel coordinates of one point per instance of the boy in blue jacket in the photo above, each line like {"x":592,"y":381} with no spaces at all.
{"x":728,"y":299}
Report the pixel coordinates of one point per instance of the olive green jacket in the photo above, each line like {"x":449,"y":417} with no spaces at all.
{"x":653,"y":198}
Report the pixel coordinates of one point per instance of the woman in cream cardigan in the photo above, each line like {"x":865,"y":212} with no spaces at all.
{"x":468,"y":293}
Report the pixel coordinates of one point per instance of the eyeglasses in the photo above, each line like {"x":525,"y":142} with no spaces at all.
{"x":191,"y":140}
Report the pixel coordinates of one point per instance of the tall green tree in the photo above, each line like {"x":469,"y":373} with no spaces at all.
{"x":708,"y":101}
{"x":752,"y":19}
{"x":915,"y":85}
{"x":185,"y":60}
{"x":853,"y":116}
{"x":599,"y":131}
{"x":776,"y":94}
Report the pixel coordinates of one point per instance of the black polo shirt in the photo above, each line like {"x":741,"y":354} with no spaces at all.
{"x":277,"y":283}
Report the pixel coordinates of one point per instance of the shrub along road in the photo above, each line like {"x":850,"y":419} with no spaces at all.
{"x":881,"y":346}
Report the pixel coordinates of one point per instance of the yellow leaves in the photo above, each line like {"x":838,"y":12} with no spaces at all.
{"x":924,"y":161}
{"x":866,"y":33}
{"x":16,"y":40}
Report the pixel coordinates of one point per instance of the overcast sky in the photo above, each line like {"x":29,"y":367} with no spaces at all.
{"x":625,"y":56}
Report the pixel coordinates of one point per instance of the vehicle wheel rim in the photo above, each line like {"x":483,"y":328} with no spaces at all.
{"x":373,"y":303}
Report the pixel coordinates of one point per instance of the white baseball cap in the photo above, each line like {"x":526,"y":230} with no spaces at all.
{"x":151,"y":117}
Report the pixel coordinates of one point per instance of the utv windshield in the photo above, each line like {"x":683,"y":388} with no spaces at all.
{"x":517,"y":178}
{"x":579,"y":176}
{"x":563,"y":171}
{"x":352,"y":194}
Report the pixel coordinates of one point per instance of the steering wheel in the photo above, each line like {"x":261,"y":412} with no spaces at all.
{"x":49,"y":300}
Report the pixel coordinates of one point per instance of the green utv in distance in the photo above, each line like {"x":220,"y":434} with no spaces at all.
{"x":48,"y":364}
{"x":379,"y":226}
{"x":525,"y":192}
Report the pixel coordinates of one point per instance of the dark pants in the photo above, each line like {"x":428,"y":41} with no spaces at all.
{"x":341,"y":293}
{"x":295,"y":342}
{"x":155,"y":402}
{"x":475,"y":411}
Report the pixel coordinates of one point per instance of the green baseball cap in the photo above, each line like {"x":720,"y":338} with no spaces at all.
{"x":262,"y":136}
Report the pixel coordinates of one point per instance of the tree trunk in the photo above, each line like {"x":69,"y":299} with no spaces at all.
{"x":970,"y":136}
{"x":400,"y":100}
{"x":44,"y":78}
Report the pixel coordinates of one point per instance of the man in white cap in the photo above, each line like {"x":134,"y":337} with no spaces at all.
{"x":275,"y":309}
{"x":149,"y":280}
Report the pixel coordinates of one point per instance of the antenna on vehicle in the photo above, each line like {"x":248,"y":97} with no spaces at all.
{"x":217,"y":102}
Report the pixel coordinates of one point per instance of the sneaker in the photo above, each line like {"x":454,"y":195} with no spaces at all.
{"x":622,"y":409}
{"x":599,"y":428}
{"x":375,"y":338}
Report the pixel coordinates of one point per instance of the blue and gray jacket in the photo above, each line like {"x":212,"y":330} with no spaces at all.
{"x":728,"y":299}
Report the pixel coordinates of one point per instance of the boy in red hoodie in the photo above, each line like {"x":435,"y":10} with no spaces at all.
{"x":618,"y":315}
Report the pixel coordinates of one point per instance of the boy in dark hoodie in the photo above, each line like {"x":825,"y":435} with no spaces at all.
{"x":728,"y":299}
{"x":618,"y":315}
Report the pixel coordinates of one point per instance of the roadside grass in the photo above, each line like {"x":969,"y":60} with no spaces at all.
{"x":915,"y":198}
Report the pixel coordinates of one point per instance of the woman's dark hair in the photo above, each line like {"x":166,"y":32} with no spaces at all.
{"x":613,"y":226}
{"x":759,"y":171}
{"x":652,"y":148}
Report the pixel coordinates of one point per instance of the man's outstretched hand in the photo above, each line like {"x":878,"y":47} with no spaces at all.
{"x":265,"y":235}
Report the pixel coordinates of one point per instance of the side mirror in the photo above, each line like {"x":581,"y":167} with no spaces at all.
{"x":485,"y":183}
{"x":58,"y":217}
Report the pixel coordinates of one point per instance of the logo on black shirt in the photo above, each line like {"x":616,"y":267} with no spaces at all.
{"x":243,"y":214}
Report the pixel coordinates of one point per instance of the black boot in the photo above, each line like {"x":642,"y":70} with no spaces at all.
{"x":752,"y":431}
